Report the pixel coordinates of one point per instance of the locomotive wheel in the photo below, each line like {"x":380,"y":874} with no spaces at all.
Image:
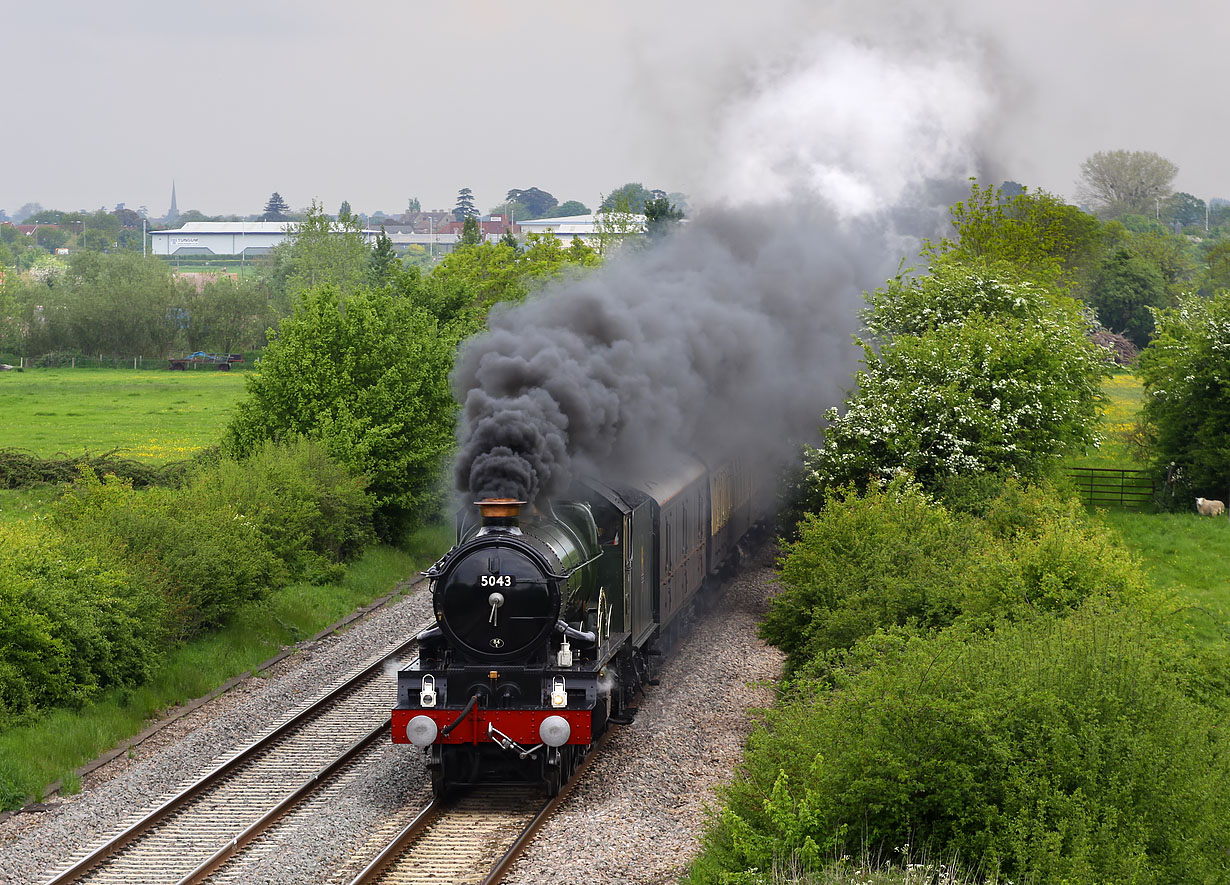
{"x":439,"y":787}
{"x":555,"y":773}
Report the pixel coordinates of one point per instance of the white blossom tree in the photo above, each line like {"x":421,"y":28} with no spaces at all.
{"x":966,"y":370}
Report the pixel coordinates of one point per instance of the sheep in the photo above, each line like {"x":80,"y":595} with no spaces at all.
{"x":1210,"y":507}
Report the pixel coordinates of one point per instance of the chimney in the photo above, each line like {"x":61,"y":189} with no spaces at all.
{"x":499,"y":511}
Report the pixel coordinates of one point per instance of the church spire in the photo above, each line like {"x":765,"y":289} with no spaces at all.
{"x":172,"y":213}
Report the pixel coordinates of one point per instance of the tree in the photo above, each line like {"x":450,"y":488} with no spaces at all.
{"x":227,"y":316}
{"x":1183,"y":209}
{"x":48,"y":216}
{"x":630,"y":197}
{"x":383,"y":261}
{"x":120,"y":304}
{"x":465,"y":205}
{"x":468,"y":281}
{"x":538,"y":203}
{"x":51,"y":238}
{"x":127,"y":218}
{"x":616,"y":223}
{"x":367,"y":374}
{"x":967,"y":370}
{"x":1215,"y":276}
{"x":321,"y":252}
{"x":570,"y":208}
{"x":1046,"y":239}
{"x":28,"y":210}
{"x":343,"y":211}
{"x":512,"y":209}
{"x":470,"y":235}
{"x":1184,"y":370}
{"x":275,"y":209}
{"x":1125,"y":289}
{"x":1172,"y":255}
{"x":660,"y":217}
{"x":1119,"y":182}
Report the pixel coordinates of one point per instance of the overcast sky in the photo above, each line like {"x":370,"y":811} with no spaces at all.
{"x":379,"y":102}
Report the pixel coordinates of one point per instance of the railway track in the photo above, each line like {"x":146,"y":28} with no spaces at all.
{"x":474,"y":838}
{"x":197,"y":830}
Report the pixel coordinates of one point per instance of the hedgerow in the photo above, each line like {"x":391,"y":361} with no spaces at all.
{"x":21,"y":469}
{"x":1058,"y":749}
{"x":74,"y":620}
{"x":204,"y":561}
{"x":893,"y":557}
{"x":91,"y":596}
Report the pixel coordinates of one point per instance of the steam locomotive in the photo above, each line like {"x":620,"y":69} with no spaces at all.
{"x":550,"y":619}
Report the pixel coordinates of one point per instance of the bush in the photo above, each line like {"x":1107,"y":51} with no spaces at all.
{"x":89,"y":598}
{"x":1056,"y":750}
{"x":887,"y":557}
{"x":73,"y":621}
{"x":312,"y":513}
{"x":1043,"y":553}
{"x":892,"y":557}
{"x":206,"y":562}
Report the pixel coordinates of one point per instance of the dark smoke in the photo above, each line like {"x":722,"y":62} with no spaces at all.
{"x":732,"y":336}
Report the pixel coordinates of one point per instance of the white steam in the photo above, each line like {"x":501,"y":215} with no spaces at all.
{"x":854,"y":125}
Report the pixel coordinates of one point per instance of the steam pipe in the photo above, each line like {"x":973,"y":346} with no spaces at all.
{"x":469,"y":708}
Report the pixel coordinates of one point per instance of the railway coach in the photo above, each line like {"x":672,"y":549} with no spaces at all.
{"x":550,"y":618}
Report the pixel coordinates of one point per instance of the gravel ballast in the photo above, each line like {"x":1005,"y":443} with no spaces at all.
{"x":635,"y":817}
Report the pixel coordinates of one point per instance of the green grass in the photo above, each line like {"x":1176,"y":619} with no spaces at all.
{"x":1187,"y":555}
{"x":16,"y":504}
{"x":1181,"y":553}
{"x":150,"y":416}
{"x":33,"y":756}
{"x":1124,"y":395}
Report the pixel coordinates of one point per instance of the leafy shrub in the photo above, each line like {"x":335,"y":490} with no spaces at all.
{"x":206,"y":562}
{"x":73,"y":621}
{"x":1043,"y":553}
{"x":1056,"y":750}
{"x":312,"y":513}
{"x":887,"y":557}
{"x":892,"y":557}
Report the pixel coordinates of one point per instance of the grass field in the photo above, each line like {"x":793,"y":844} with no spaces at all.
{"x":150,"y":416}
{"x":1181,"y":553}
{"x":1124,"y":397}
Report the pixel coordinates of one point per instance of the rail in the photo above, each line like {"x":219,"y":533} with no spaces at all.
{"x":455,"y":841}
{"x":232,"y":768}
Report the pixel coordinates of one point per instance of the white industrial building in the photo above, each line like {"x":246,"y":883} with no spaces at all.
{"x":582,"y":227}
{"x":227,"y":238}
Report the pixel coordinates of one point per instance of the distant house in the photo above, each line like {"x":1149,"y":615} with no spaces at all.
{"x":31,"y":229}
{"x":227,"y":238}
{"x":490,"y":227}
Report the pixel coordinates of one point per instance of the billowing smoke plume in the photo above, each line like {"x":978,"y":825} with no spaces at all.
{"x":732,"y":335}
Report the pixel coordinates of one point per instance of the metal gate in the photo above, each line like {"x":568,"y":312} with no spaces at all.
{"x":1114,"y":487}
